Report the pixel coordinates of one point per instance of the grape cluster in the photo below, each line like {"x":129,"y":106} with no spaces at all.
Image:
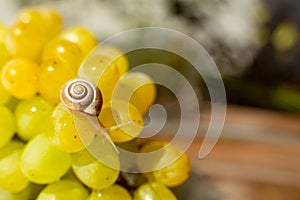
{"x":41,"y":154}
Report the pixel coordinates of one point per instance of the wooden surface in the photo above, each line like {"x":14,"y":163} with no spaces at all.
{"x":257,"y":157}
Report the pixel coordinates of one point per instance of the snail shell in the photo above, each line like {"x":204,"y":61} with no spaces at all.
{"x":82,"y":95}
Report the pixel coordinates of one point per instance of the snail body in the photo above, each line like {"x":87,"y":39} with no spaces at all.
{"x":82,"y":95}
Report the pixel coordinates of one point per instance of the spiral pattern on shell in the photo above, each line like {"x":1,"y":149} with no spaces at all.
{"x":82,"y":95}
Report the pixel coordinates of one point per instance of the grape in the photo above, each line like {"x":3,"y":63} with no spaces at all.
{"x":114,"y":192}
{"x":4,"y":95}
{"x":29,"y":193}
{"x":19,"y":77}
{"x":113,"y":53}
{"x":64,"y":134}
{"x":7,"y":125}
{"x":4,"y":55}
{"x":42,"y":162}
{"x":63,"y":50}
{"x":116,"y":113}
{"x":285,"y":36}
{"x":141,"y":87}
{"x":36,"y":60}
{"x":82,"y":37}
{"x":3,"y":31}
{"x":92,"y":172}
{"x":24,"y":41}
{"x":11,"y":177}
{"x":96,"y":67}
{"x":175,"y":173}
{"x":44,"y":20}
{"x":65,"y":189}
{"x":53,"y":75}
{"x":153,"y":191}
{"x":53,"y":21}
{"x":32,"y":116}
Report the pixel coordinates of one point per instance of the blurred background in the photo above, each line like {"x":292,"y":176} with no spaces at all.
{"x":256,"y":46}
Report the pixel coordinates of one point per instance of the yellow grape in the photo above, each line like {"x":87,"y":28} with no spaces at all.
{"x":7,"y":125}
{"x":142,"y":88}
{"x":53,"y":21}
{"x":42,"y":162}
{"x":3,"y":31}
{"x":54,"y":73}
{"x":64,"y":134}
{"x":114,"y":192}
{"x":63,"y":50}
{"x":4,"y":55}
{"x":44,"y":20}
{"x":92,"y":172}
{"x":4,"y":95}
{"x":99,"y":70}
{"x":22,"y":40}
{"x":153,"y":191}
{"x":174,"y":173}
{"x":19,"y":77}
{"x":32,"y":116}
{"x":82,"y":37}
{"x":113,"y":53}
{"x":124,"y":114}
{"x":62,"y":190}
{"x":11,"y":177}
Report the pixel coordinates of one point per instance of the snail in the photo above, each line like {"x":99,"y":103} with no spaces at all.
{"x":82,"y":95}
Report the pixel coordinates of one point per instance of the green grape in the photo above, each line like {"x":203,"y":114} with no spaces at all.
{"x":172,"y":168}
{"x":53,"y":75}
{"x":19,"y":77}
{"x":29,"y":193}
{"x":112,"y":52}
{"x":32,"y":117}
{"x":7,"y":125}
{"x":99,"y":67}
{"x":62,"y":190}
{"x":64,"y":134}
{"x":153,"y":191}
{"x":82,"y":37}
{"x":141,"y":87}
{"x":63,"y":50}
{"x":285,"y":36}
{"x":124,"y":114}
{"x":92,"y":172}
{"x":42,"y":162}
{"x":114,"y":192}
{"x":11,"y":177}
